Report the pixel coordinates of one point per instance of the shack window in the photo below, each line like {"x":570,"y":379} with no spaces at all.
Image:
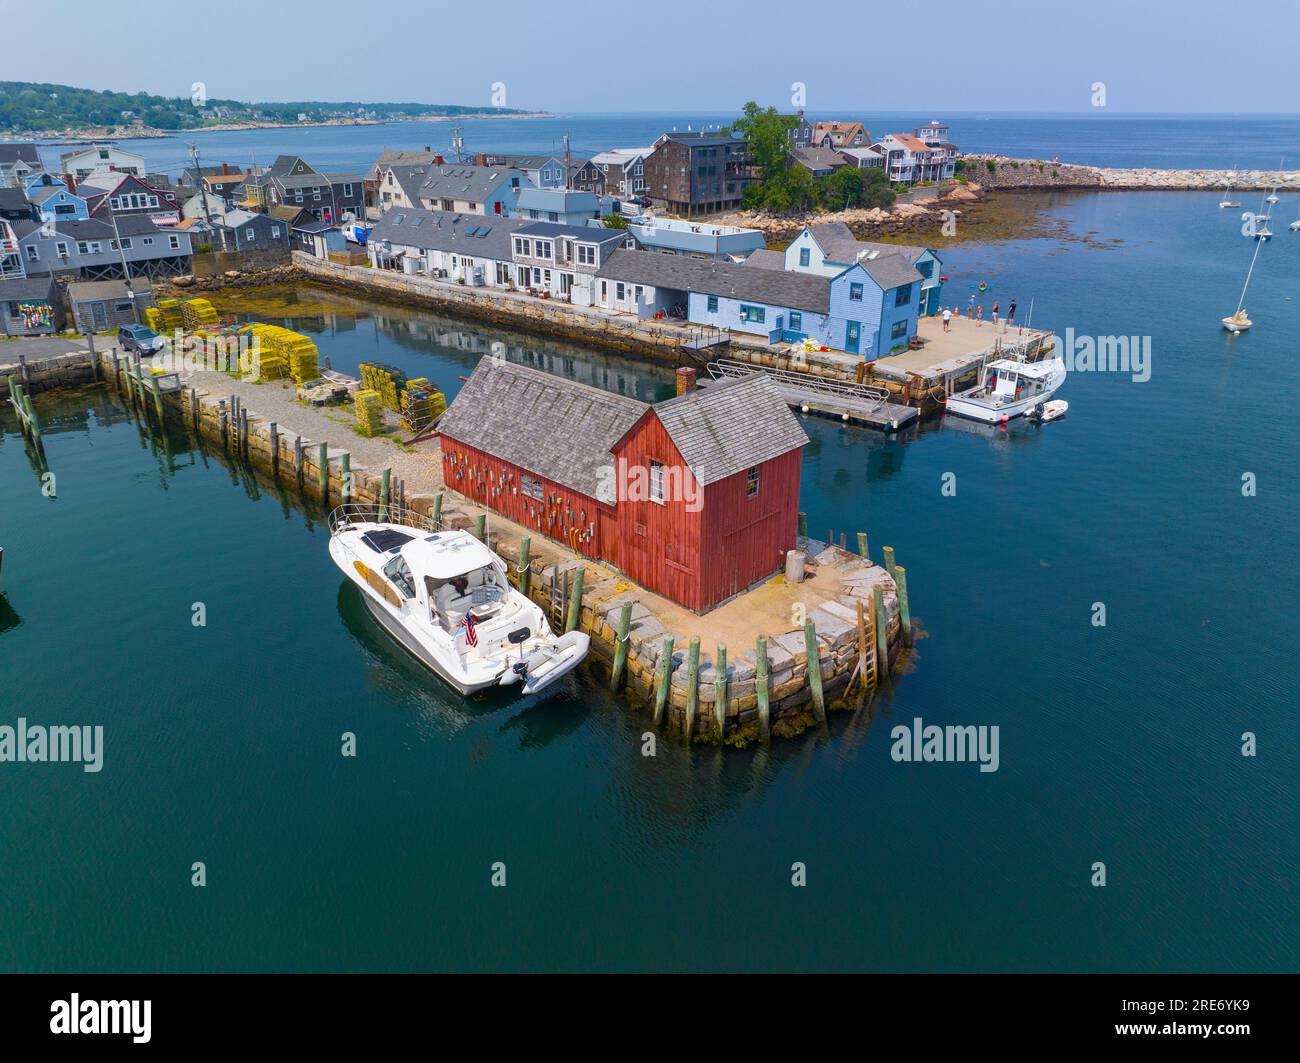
{"x":751,"y":482}
{"x":904,"y":295}
{"x":713,"y":304}
{"x":855,"y":293}
{"x":531,"y":487}
{"x":756,"y":314}
{"x":804,"y":255}
{"x":656,"y":481}
{"x":796,"y":321}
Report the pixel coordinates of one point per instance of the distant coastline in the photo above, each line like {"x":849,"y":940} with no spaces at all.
{"x":112,"y":134}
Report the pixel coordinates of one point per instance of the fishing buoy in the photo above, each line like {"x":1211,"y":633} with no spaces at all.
{"x":844,"y":416}
{"x":804,"y":408}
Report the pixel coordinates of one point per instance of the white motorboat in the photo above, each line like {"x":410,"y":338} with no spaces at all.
{"x":444,"y":596}
{"x":1227,"y":201}
{"x":1009,"y":389}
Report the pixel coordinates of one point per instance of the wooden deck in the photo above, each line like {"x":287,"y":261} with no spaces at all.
{"x":852,"y":403}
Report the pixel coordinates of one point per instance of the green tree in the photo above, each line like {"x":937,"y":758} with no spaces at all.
{"x":767,"y":135}
{"x":615,"y":221}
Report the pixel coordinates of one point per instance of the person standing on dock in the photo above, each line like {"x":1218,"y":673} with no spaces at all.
{"x":995,"y":314}
{"x":970,"y":307}
{"x":947,"y":320}
{"x":979,"y":316}
{"x":1011,"y":314}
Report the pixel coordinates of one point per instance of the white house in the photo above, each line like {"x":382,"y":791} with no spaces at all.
{"x":100,"y":157}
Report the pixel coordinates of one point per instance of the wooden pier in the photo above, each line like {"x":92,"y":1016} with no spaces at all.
{"x":853,"y":403}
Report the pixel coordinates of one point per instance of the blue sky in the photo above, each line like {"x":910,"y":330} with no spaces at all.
{"x":701,"y":55}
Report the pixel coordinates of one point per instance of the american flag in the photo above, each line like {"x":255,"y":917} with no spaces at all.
{"x":471,"y":639}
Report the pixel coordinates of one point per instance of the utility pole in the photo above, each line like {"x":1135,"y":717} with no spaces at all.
{"x":126,"y":270}
{"x":457,"y":142}
{"x":203,"y":188}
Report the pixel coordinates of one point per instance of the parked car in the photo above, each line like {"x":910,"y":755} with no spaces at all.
{"x":139,"y":338}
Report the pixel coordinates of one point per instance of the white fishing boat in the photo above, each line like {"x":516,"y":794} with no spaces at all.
{"x":1240,"y":321}
{"x":445,"y":598}
{"x":1009,"y":389}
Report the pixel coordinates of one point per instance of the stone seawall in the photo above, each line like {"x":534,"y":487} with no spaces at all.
{"x":295,"y":460}
{"x":65,"y":370}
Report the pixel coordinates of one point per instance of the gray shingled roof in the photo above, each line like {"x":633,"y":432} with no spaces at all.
{"x":798,"y":291}
{"x":565,"y":431}
{"x":553,"y":427}
{"x":444,"y":230}
{"x":473,"y":184}
{"x":765,"y":258}
{"x":11,"y":153}
{"x":730,"y":426}
{"x":893,"y":265}
{"x":19,"y":289}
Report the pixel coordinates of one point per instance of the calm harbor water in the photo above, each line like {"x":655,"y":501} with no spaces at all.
{"x":1119,"y":744}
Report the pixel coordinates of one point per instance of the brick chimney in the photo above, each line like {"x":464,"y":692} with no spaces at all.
{"x":685,"y":379}
{"x":225,"y":169}
{"x":480,"y":159}
{"x":438,"y":160}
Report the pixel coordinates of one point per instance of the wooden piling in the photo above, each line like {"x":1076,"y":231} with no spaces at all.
{"x":275,"y":448}
{"x":480,"y":527}
{"x":882,"y":634}
{"x":620,"y":643}
{"x":222,"y":415}
{"x":345,"y":478}
{"x":94,"y":358}
{"x":904,"y":613}
{"x":385,"y":483}
{"x":888,"y":551}
{"x":525,"y":555}
{"x":575,"y":602}
{"x":761,"y":685}
{"x":437,"y":514}
{"x":692,"y":684}
{"x":299,"y":460}
{"x":862,"y":545}
{"x":323,"y":472}
{"x":664,"y":679}
{"x":720,"y":690}
{"x":803,"y":524}
{"x":814,"y":671}
{"x":194,"y":408}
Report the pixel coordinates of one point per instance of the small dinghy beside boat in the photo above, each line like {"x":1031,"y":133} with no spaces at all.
{"x":1048,"y":411}
{"x":444,"y":596}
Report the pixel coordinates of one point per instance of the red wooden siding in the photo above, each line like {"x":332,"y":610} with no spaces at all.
{"x":746,"y":538}
{"x":581,"y":523}
{"x":660,"y":543}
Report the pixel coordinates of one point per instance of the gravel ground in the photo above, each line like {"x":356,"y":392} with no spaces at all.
{"x":419,"y":465}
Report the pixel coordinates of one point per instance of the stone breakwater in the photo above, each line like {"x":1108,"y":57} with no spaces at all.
{"x":1002,"y":173}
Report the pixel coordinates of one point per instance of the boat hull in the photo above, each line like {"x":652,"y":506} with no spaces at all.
{"x":412,"y":646}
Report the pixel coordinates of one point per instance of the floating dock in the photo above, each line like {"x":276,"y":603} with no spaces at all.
{"x":854,"y":403}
